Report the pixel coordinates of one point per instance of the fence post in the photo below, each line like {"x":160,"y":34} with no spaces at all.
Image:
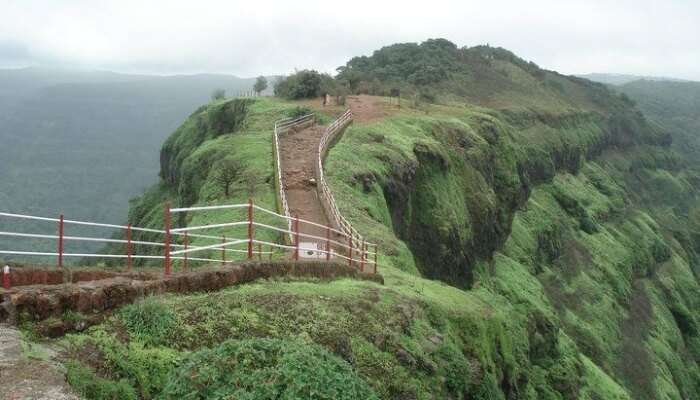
{"x":259,"y":252}
{"x":328,"y":243}
{"x":186,"y":243}
{"x":128,"y":247}
{"x":166,"y":226}
{"x":270,"y":255}
{"x":296,"y":238}
{"x":6,"y":277}
{"x":223,"y":249}
{"x":362,"y":256}
{"x":376,"y":251}
{"x":60,"y":241}
{"x":250,"y":229}
{"x":350,"y":250}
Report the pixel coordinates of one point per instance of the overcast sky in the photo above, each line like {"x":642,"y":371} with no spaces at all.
{"x":249,"y":38}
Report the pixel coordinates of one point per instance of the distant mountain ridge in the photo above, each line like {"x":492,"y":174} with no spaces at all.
{"x":621,"y":79}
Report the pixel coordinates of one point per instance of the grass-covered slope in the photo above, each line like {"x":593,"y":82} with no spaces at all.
{"x":411,"y":338}
{"x":675,"y":106}
{"x":582,"y":221}
{"x":439,"y":70}
{"x":233,"y":130}
{"x":561,"y":240}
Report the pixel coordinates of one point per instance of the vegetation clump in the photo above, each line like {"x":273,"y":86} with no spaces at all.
{"x":265,"y":369}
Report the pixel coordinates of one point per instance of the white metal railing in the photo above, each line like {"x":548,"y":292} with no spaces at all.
{"x":353,"y":247}
{"x":330,"y":135}
{"x":171,"y":250}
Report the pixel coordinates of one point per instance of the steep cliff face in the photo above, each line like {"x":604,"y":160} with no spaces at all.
{"x":583,"y":219}
{"x":585,"y":224}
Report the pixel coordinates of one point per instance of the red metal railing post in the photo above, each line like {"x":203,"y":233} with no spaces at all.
{"x":166,"y":226}
{"x":6,"y":277}
{"x":350,"y":250}
{"x":223,"y":249}
{"x":250,"y":229}
{"x":186,"y":243}
{"x":60,"y":241}
{"x":328,"y":243}
{"x":296,"y":238}
{"x":128,"y":247}
{"x":362,"y":256}
{"x":376,"y":251}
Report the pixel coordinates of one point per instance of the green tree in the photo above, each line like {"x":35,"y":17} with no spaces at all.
{"x":226,"y":171}
{"x":218,"y":94}
{"x":300,"y":85}
{"x":260,"y":84}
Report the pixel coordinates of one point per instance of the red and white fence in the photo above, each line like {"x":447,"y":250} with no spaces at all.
{"x":341,"y":241}
{"x":176,"y":244}
{"x":330,"y":136}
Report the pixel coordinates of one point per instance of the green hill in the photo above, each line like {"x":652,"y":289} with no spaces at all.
{"x":676,"y":107}
{"x":538,"y":237}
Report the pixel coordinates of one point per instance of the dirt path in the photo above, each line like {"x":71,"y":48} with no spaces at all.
{"x":298,"y":154}
{"x":28,"y":371}
{"x":370,"y":108}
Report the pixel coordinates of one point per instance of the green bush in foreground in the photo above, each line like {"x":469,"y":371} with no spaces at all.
{"x":265,"y":369}
{"x":148,"y":321}
{"x":84,"y":381}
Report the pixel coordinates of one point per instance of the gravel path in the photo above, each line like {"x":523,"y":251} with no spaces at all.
{"x":28,"y":370}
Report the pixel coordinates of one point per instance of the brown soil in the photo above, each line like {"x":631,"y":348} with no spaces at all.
{"x":367,"y":108}
{"x":298,"y":155}
{"x":93,"y":298}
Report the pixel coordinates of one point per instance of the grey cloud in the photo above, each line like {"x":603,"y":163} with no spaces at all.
{"x":267,"y":37}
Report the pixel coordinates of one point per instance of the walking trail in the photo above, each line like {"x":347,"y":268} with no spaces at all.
{"x":298,"y":155}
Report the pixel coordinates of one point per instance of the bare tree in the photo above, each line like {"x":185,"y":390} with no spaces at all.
{"x":227,"y":170}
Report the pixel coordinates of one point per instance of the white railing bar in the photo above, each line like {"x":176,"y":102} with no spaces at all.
{"x":85,"y":239}
{"x":274,"y":228}
{"x":37,"y":253}
{"x":282,"y":246}
{"x":256,"y":207}
{"x":214,"y":246}
{"x":2,"y":214}
{"x":202,"y":208}
{"x":198,"y":228}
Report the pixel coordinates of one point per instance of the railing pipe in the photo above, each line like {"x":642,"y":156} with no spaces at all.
{"x":186,"y":243}
{"x":250,"y":229}
{"x":128,"y":247}
{"x":60,"y":241}
{"x":296,"y":238}
{"x":6,"y":283}
{"x":166,"y":240}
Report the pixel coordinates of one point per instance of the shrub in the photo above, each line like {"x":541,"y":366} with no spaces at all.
{"x":92,"y":387}
{"x":218,"y":94}
{"x":266,"y":369}
{"x":300,"y":85}
{"x":148,"y":321}
{"x":260,"y":84}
